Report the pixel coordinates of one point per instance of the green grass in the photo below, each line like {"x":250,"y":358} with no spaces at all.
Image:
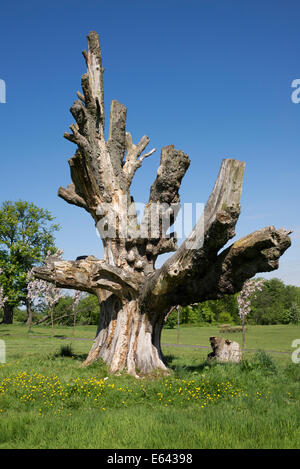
{"x":47,"y":400}
{"x":277,"y":337}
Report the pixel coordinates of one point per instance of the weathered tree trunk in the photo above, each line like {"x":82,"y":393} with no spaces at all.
{"x":134,"y":297}
{"x":8,"y":314}
{"x":126,"y":338}
{"x":224,"y":350}
{"x":243,"y":331}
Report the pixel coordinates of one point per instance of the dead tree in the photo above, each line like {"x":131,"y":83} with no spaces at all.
{"x":224,"y":350}
{"x":134,"y":297}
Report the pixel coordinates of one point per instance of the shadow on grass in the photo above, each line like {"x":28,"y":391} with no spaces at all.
{"x":75,"y":356}
{"x":180,"y":368}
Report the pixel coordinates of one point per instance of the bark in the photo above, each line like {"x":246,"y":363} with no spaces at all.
{"x":8,"y":314}
{"x":126,"y":338}
{"x":134,"y":297}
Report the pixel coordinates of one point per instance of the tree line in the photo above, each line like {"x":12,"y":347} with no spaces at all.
{"x":27,"y":236}
{"x":276,"y":303}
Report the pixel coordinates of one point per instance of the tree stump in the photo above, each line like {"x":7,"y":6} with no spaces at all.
{"x":224,"y":350}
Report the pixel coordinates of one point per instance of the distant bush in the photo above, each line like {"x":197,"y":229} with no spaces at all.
{"x":65,"y":351}
{"x":261,"y":361}
{"x":225,"y":318}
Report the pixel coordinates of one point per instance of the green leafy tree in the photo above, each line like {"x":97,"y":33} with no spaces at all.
{"x":285,"y":317}
{"x":189,"y":314}
{"x":272,"y":305}
{"x":171,"y":321}
{"x":247,"y":294}
{"x":63,"y":310}
{"x":222,"y":310}
{"x":88,"y":310}
{"x":77,"y":296}
{"x":26,"y":235}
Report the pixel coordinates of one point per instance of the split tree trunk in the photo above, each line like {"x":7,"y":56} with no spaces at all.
{"x":134,"y":297}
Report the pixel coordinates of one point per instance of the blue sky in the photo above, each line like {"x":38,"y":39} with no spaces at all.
{"x":212,"y":77}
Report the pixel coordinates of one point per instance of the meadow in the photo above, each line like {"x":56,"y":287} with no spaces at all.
{"x":47,"y":400}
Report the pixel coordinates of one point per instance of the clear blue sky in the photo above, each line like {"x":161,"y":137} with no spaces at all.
{"x":212,"y":77}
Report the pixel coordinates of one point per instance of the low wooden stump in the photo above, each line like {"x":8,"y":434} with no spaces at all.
{"x":224,"y":350}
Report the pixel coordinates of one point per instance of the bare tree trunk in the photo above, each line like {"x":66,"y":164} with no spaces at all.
{"x":8,"y":315}
{"x":127,"y":339}
{"x":44,"y":319}
{"x":48,"y":318}
{"x":29,"y":313}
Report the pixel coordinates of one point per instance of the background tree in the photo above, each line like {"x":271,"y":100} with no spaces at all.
{"x":26,"y":235}
{"x":190,"y":314}
{"x":171,"y":319}
{"x":294,"y":313}
{"x":78,"y":295}
{"x":62,"y":311}
{"x":272,"y":304}
{"x":2,"y":297}
{"x":134,"y":296}
{"x":87,"y":311}
{"x":244,"y":299}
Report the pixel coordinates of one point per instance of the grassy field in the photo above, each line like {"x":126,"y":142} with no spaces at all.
{"x":47,"y":400}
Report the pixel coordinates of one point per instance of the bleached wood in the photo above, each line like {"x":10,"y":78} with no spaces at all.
{"x":133,"y":296}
